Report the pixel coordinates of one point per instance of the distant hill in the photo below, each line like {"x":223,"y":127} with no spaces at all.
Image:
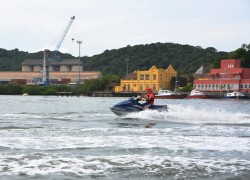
{"x":12,"y":60}
{"x":184,"y":58}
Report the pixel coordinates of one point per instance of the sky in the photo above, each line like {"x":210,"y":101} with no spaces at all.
{"x":35,"y":25}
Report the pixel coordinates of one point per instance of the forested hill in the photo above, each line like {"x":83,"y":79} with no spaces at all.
{"x":184,"y":58}
{"x":11,"y":60}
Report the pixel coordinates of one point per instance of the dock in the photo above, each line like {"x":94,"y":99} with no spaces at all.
{"x":112,"y":94}
{"x":65,"y":94}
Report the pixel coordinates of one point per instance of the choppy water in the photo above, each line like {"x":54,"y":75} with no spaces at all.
{"x":44,"y":137}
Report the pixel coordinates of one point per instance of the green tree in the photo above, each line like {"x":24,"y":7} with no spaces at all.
{"x":10,"y":89}
{"x":50,"y":91}
{"x":92,"y":85}
{"x":32,"y":90}
{"x":243,"y":54}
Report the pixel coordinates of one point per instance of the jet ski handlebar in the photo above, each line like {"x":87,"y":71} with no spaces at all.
{"x":139,"y":98}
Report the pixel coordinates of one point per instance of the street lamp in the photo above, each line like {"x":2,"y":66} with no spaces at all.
{"x":127,"y":60}
{"x":79,"y":42}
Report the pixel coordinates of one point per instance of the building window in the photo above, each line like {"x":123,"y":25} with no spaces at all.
{"x":245,"y":86}
{"x":142,"y":77}
{"x":124,"y":87}
{"x":128,"y":87}
{"x":237,"y":76}
{"x":154,"y":86}
{"x":154,"y":76}
{"x":134,"y":85}
{"x":141,"y":87}
{"x":147,"y":85}
{"x":147,"y":76}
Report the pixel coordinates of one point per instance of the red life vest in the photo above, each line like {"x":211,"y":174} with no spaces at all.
{"x":151,"y":101}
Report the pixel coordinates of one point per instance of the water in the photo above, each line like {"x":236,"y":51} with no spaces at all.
{"x":46,"y":137}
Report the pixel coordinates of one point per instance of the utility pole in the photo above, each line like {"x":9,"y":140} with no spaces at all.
{"x":176,"y":86}
{"x":79,"y":42}
{"x":45,"y":76}
{"x":127,"y":60}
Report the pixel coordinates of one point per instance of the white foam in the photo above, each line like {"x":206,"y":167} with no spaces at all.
{"x":104,"y":165}
{"x":190,"y":114}
{"x":147,"y":139}
{"x":20,"y":116}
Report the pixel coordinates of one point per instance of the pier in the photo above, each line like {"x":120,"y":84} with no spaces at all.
{"x":112,"y":94}
{"x":65,"y":94}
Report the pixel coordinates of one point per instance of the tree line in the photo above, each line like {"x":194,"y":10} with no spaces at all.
{"x":185,"y":59}
{"x":86,"y":89}
{"x":242,"y":53}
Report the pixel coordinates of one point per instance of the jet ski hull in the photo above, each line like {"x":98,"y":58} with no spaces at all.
{"x":133,"y":106}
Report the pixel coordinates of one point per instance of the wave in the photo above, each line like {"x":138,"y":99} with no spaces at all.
{"x":181,"y":113}
{"x":148,"y":165}
{"x":20,"y":127}
{"x":52,"y":116}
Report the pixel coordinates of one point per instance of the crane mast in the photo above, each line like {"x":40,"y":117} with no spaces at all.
{"x":64,"y":33}
{"x":45,"y":75}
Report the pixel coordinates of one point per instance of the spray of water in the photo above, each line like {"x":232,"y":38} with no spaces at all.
{"x":180,"y":113}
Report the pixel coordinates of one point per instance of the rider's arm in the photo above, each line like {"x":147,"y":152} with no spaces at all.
{"x":151,"y":96}
{"x":145,"y":97}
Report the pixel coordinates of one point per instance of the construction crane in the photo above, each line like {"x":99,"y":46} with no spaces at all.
{"x":64,"y":33}
{"x":47,"y":60}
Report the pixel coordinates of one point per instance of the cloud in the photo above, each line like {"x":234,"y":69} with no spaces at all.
{"x":111,"y":24}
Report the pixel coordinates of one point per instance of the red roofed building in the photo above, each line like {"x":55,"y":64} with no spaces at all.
{"x":229,"y":77}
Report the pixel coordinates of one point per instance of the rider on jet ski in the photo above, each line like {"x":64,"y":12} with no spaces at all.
{"x":149,"y":97}
{"x":132,"y":105}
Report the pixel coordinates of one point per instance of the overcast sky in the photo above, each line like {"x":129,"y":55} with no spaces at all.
{"x":33,"y":25}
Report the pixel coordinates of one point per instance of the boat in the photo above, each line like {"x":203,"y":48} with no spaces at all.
{"x":195,"y":94}
{"x":167,"y":94}
{"x":236,"y":95}
{"x":132,"y":105}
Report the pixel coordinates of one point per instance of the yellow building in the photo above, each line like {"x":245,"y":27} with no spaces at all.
{"x":155,"y":78}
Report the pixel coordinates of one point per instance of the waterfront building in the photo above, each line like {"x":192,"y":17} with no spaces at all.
{"x":155,"y":78}
{"x":64,"y":65}
{"x":61,"y":72}
{"x":229,"y":77}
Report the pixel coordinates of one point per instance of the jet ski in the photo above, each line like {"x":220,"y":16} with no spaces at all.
{"x":132,"y":105}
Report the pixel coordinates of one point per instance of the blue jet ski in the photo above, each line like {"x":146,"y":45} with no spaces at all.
{"x":132,"y":105}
